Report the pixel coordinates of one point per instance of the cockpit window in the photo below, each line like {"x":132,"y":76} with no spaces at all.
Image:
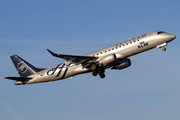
{"x":160,"y":32}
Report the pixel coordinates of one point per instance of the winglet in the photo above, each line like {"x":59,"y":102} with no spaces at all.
{"x":53,"y":54}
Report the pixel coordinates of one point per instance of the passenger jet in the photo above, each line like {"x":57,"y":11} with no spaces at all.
{"x":114,"y":57}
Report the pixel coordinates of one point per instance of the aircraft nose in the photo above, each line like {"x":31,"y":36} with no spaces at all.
{"x":173,"y":36}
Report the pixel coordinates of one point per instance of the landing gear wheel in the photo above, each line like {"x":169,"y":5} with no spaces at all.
{"x":164,"y":49}
{"x":94,"y":73}
{"x":102,"y":75}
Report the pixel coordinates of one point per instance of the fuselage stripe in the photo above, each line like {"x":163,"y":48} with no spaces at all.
{"x":66,"y":71}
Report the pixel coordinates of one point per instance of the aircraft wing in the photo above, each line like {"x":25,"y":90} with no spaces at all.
{"x":84,"y":60}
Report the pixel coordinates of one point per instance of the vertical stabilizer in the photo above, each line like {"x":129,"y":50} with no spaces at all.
{"x":24,"y":68}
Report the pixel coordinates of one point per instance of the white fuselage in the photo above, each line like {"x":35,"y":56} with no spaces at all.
{"x":121,"y":50}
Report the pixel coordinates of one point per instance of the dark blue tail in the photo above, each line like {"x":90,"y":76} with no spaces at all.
{"x":24,"y":68}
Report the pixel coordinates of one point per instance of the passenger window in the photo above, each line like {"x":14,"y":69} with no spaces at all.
{"x":134,"y":40}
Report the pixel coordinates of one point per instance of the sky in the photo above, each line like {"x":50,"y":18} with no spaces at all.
{"x":147,"y":90}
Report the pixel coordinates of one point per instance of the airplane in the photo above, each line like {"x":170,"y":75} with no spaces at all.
{"x":114,"y":57}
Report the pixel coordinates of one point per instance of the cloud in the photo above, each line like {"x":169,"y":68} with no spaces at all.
{"x":11,"y":112}
{"x":14,"y":114}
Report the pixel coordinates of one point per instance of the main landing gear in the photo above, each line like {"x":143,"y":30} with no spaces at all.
{"x":162,"y":48}
{"x":94,"y":73}
{"x":101,"y":73}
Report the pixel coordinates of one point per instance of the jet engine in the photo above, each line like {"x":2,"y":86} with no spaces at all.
{"x":123,"y":64}
{"x":108,"y":60}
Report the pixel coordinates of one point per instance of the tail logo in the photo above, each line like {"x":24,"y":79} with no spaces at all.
{"x":21,"y":67}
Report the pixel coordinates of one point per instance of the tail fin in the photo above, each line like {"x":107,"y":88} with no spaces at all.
{"x":24,"y":68}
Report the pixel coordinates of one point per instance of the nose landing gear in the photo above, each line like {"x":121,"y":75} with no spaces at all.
{"x":162,"y":46}
{"x":164,"y":49}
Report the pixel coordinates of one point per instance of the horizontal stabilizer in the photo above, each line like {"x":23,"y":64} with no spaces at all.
{"x":19,"y":78}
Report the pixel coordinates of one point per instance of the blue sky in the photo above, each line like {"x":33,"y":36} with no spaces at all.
{"x":149,"y":89}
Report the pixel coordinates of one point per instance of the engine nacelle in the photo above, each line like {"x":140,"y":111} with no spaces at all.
{"x":108,"y":60}
{"x":123,"y":64}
